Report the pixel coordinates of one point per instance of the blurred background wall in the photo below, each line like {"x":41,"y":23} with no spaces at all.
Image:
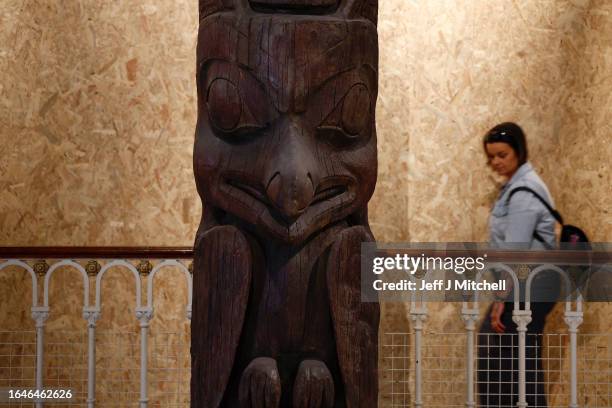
{"x":450,"y":71}
{"x":98,"y":110}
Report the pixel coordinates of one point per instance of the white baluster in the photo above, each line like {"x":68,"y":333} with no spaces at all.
{"x":470,"y":317}
{"x":144,"y":316}
{"x":40,"y":314}
{"x":418,"y":316}
{"x":522,"y":318}
{"x":573,"y":320}
{"x":91,"y":314}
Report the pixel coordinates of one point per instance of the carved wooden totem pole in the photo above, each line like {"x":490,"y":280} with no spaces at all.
{"x":285,"y":163}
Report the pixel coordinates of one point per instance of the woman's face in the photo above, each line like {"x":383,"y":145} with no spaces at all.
{"x":502,"y":158}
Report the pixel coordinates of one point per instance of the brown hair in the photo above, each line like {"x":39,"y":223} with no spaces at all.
{"x":511,"y":134}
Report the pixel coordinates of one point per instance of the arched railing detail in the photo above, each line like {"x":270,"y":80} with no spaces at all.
{"x":29,"y":270}
{"x":188,"y":282}
{"x":131,"y":268}
{"x":74,"y":265}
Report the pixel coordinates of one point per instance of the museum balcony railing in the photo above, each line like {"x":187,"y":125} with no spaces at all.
{"x":419,"y":367}
{"x":92,"y":265}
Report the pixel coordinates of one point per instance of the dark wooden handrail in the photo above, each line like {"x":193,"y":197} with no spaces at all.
{"x":49,"y":252}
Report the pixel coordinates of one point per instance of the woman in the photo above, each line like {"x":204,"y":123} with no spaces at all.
{"x":519,"y":219}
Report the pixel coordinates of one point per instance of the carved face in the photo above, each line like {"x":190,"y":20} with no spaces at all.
{"x":286,"y":138}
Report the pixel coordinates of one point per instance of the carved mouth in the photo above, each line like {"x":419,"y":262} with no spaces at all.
{"x":327,"y":193}
{"x":329,"y":189}
{"x":252,"y":189}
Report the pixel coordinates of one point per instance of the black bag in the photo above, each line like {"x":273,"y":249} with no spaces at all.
{"x":571,"y":238}
{"x":569,"y":233}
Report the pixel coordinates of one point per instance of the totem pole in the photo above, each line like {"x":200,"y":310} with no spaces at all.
{"x":285,"y":164}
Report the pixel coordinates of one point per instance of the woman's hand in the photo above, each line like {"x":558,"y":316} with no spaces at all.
{"x":496,"y":312}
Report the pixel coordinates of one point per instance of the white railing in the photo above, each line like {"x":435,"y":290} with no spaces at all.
{"x":143,"y":273}
{"x":470,"y":313}
{"x":404,"y":356}
{"x":424,"y":368}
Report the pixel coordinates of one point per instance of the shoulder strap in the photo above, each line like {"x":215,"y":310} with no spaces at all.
{"x":551,"y":210}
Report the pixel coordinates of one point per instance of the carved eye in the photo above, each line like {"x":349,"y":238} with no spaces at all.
{"x":347,"y":124}
{"x":230,"y":117}
{"x":356,"y":109}
{"x":224,"y":104}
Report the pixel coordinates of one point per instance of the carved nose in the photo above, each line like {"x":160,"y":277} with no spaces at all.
{"x":290,"y":194}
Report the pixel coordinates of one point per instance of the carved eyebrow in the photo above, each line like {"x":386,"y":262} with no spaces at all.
{"x":206,"y":66}
{"x":364,"y":73}
{"x":365,"y":77}
{"x":253,"y":94}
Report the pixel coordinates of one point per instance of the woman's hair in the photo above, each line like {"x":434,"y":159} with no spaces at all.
{"x":511,"y":134}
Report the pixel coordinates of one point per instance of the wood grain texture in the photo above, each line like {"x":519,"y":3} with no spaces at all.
{"x":221,"y":286}
{"x":285,"y":153}
{"x":355,"y":322}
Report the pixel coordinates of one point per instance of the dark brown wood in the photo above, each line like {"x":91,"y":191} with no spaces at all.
{"x":559,"y":257}
{"x":285,"y":156}
{"x":355,"y":322}
{"x":59,"y":252}
{"x":222,"y":290}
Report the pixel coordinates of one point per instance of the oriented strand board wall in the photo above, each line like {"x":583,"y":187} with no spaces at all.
{"x":97,"y":116}
{"x":584,"y":170}
{"x":586,"y":128}
{"x":448,"y":73}
{"x":96,"y":122}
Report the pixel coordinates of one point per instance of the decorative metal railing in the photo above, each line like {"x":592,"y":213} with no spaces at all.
{"x":41,"y":263}
{"x":470,"y":313}
{"x":404,"y":378}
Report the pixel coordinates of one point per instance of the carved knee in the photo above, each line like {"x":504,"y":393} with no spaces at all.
{"x":314,"y":386}
{"x":260,"y":385}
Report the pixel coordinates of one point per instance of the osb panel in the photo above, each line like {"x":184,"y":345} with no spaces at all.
{"x":582,"y":171}
{"x":586,"y":129}
{"x":97,"y":120}
{"x":66,"y":296}
{"x":15,"y":299}
{"x":169,"y":342}
{"x":449,"y":73}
